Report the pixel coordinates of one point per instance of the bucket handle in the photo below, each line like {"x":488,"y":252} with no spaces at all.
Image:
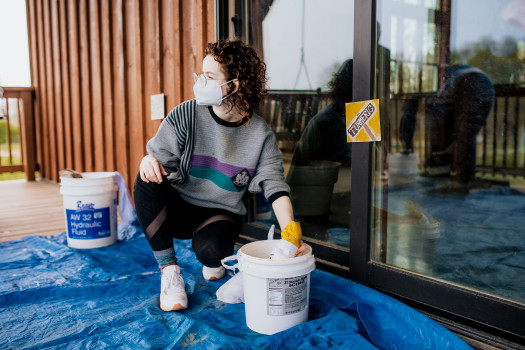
{"x":234,"y":257}
{"x":270,"y":232}
{"x":230,"y":258}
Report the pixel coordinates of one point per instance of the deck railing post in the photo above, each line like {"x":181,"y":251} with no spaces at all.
{"x":28,"y":134}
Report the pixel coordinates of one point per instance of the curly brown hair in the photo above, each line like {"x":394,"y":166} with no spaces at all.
{"x":241,"y":62}
{"x":341,"y":84}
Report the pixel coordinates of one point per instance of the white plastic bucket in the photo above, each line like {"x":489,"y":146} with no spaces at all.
{"x":276,"y":292}
{"x":403,"y":168}
{"x":403,"y":164}
{"x":90,"y":206}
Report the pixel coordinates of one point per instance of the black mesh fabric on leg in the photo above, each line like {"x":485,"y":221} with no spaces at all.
{"x":157,"y":206}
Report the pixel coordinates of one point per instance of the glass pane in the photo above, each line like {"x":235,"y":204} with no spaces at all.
{"x":449,"y":178}
{"x":308,"y":48}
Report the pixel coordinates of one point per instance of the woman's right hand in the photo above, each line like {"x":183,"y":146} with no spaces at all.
{"x":151,"y":170}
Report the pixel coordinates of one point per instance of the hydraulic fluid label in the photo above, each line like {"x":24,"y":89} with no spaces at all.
{"x":88,"y":223}
{"x":287,"y":295}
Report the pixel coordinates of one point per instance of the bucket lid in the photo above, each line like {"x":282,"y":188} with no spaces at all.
{"x":89,"y":179}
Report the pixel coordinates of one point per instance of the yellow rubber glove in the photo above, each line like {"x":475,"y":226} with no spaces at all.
{"x":292,"y":233}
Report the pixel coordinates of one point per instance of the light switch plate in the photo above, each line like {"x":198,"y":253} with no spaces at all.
{"x":157,"y":107}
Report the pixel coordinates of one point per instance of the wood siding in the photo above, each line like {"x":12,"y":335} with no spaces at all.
{"x":95,"y":65}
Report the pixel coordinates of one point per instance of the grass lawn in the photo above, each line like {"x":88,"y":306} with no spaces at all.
{"x":16,"y":160}
{"x":17,"y":175}
{"x":513,"y":180}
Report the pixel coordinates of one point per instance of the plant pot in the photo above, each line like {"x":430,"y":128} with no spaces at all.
{"x":312,"y":186}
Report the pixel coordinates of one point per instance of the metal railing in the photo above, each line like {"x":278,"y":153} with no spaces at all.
{"x":17,"y":131}
{"x":500,"y":143}
{"x":288,"y":112}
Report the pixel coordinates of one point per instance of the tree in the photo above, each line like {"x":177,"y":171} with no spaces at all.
{"x":501,"y":61}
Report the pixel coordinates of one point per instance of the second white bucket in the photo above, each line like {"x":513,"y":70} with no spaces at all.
{"x":90,"y":205}
{"x":276,"y":292}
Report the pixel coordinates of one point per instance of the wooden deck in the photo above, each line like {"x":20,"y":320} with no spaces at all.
{"x":30,"y":208}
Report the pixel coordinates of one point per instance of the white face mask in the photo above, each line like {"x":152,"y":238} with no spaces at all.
{"x":208,"y":92}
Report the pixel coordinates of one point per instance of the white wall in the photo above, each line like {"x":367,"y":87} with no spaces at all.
{"x":14,"y":47}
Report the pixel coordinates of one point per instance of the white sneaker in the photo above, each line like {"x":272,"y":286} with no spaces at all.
{"x":213,"y":273}
{"x":172,"y":293}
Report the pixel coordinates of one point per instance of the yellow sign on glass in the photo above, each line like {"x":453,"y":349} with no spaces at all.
{"x":362,"y":121}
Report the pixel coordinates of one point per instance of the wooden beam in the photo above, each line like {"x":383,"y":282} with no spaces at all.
{"x":120,"y":88}
{"x":66,"y":79}
{"x":85,"y":87}
{"x":28,"y":135}
{"x":107,"y":87}
{"x":51,"y":136}
{"x":96,"y":87}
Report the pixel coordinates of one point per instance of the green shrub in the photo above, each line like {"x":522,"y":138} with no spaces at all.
{"x":15,"y":132}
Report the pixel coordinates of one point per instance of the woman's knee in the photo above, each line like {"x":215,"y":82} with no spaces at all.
{"x":148,"y":191}
{"x":215,"y":241}
{"x":151,"y":200}
{"x":139,"y":187}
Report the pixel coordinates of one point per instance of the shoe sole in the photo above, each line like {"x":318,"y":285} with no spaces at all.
{"x":175,"y":307}
{"x":213,"y":278}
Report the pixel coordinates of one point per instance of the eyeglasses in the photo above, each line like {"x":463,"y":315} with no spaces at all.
{"x":202,"y":79}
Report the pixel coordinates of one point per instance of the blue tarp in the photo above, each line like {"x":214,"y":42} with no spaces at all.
{"x":53,"y":296}
{"x":479,"y":241}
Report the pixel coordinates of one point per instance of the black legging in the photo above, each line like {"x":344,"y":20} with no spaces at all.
{"x":164,"y":215}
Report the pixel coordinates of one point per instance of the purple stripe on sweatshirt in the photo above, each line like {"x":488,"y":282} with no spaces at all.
{"x":213,"y":163}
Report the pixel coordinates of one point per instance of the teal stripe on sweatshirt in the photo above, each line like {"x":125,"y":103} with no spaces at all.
{"x":216,"y":177}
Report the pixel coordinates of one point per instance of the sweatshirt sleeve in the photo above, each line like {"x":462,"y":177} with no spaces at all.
{"x":165,"y":147}
{"x":269,"y":174}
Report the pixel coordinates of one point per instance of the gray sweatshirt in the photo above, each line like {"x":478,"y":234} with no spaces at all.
{"x":227,"y":158}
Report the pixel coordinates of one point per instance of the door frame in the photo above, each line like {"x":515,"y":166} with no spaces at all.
{"x":466,"y":311}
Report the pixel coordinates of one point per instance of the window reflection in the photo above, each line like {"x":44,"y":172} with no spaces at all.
{"x":456,"y":114}
{"x":310,"y":78}
{"x":450,"y":178}
{"x":320,"y":155}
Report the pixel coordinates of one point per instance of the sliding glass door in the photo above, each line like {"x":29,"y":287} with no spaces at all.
{"x":448,"y":190}
{"x":453,"y":210}
{"x":434,"y":213}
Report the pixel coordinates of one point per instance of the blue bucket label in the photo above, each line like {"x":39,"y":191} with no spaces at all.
{"x":86,"y":222}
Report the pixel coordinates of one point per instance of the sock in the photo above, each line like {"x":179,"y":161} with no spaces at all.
{"x":165,"y":257}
